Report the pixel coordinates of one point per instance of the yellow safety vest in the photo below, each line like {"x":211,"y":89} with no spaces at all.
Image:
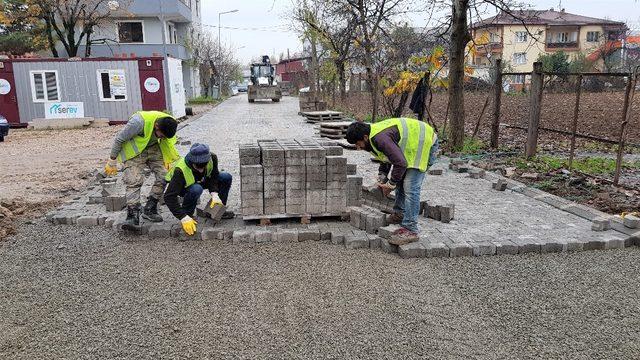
{"x":416,"y":139}
{"x":187,"y":172}
{"x":135,"y":146}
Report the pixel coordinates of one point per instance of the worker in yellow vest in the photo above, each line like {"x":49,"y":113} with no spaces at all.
{"x":405,"y":148}
{"x":188,"y":179}
{"x":147,"y":141}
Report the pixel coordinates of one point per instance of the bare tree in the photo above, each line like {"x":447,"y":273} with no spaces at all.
{"x":214,"y":63}
{"x":73,"y":22}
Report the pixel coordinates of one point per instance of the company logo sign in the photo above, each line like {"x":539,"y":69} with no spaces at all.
{"x":5,"y":87}
{"x":152,"y":85}
{"x":63,"y":110}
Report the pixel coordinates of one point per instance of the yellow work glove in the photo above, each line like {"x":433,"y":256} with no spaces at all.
{"x":215,"y":200}
{"x":111,"y":169}
{"x":188,"y":225}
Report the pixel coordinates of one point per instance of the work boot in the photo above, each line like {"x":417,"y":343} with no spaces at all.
{"x":403,"y":236}
{"x":132,"y":223}
{"x":151,"y":210}
{"x":395,"y":218}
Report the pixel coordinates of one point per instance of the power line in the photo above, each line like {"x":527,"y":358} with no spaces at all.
{"x":263,"y":29}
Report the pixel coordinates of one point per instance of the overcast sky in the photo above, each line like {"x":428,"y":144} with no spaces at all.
{"x":262,"y":26}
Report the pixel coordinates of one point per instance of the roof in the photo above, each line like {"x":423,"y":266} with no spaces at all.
{"x":544,"y":17}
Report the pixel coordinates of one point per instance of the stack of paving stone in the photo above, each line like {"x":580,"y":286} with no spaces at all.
{"x":322,"y":116}
{"x":334,"y":130}
{"x":295,"y":178}
{"x":367,"y":218}
{"x":373,"y":196}
{"x":309,"y":102}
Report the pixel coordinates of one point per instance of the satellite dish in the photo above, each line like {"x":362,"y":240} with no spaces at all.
{"x":113,"y":5}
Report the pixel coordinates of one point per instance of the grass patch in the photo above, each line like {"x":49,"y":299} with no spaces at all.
{"x":472,"y":146}
{"x":203,"y":100}
{"x":588,"y":165}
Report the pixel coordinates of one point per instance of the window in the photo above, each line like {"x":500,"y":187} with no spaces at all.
{"x":520,"y":58}
{"x":494,"y":38}
{"x":593,"y":36}
{"x":130,"y":32}
{"x":521,"y":36}
{"x":518,"y":79}
{"x":112,"y":85}
{"x":172,"y":33}
{"x":562,"y":37}
{"x":45,"y":86}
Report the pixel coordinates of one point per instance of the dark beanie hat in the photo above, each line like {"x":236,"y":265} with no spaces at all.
{"x":168,"y":126}
{"x":198,"y":154}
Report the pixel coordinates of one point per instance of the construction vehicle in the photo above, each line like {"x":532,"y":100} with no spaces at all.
{"x":263,"y":86}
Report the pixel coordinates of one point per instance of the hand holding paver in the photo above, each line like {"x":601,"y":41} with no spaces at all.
{"x":386,"y":188}
{"x":111,"y":168}
{"x":215,"y":200}
{"x":189,"y":225}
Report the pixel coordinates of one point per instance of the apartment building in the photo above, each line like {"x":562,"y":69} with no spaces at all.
{"x":519,"y":38}
{"x":140,"y":34}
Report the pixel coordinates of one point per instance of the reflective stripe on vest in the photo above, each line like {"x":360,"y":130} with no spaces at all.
{"x":416,"y":138}
{"x":189,"y":179}
{"x":138,"y":144}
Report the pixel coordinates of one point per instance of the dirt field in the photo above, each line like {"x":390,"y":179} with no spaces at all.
{"x":41,"y":169}
{"x":600,"y":115}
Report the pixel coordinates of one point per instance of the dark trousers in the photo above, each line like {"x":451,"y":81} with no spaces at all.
{"x":191,"y":194}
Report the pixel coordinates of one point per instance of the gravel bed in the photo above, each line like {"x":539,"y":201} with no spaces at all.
{"x":69,"y":292}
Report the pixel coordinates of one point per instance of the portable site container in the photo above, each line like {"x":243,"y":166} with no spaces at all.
{"x":101,"y":88}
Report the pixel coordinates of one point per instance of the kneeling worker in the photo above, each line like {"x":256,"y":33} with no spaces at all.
{"x":147,"y":141}
{"x":188,"y":178}
{"x":409,"y":145}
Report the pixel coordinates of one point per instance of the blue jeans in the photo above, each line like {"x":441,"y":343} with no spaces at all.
{"x":408,"y":198}
{"x":191,"y":194}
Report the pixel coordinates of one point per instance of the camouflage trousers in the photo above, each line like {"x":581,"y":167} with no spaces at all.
{"x":133,"y":174}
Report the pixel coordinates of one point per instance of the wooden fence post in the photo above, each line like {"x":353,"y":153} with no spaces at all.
{"x":535,"y":100}
{"x":574,"y":126}
{"x":497,"y":93}
{"x":625,"y":120}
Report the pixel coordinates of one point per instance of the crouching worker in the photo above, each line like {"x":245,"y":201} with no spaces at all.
{"x":188,"y":179}
{"x":409,"y":146}
{"x":147,"y":141}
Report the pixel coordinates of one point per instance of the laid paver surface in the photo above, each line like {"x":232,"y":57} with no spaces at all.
{"x":482,"y":214}
{"x":90,"y":292}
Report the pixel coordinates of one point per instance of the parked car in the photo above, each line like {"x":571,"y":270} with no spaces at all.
{"x":4,"y":128}
{"x":242,"y":87}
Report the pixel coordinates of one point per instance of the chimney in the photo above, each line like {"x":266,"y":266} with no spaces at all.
{"x":551,"y":9}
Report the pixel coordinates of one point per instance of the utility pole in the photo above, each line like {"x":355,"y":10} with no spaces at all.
{"x":220,"y":50}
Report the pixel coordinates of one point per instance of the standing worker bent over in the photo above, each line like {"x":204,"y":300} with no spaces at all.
{"x":188,"y":178}
{"x":147,"y":141}
{"x":409,"y":145}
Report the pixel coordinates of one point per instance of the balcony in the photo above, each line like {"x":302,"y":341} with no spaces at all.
{"x":140,"y":50}
{"x":492,"y":47}
{"x":569,"y":45}
{"x":173,"y":10}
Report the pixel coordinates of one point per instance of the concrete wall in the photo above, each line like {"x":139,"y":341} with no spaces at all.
{"x":79,"y":83}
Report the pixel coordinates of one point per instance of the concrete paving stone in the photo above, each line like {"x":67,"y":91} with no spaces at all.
{"x":211,"y":233}
{"x":243,"y":237}
{"x":614,"y":242}
{"x":356,"y":240}
{"x":500,"y":185}
{"x":289,"y":235}
{"x":631,"y":221}
{"x":447,"y":213}
{"x":160,"y":230}
{"x":573,"y":245}
{"x":355,"y":216}
{"x":308,"y":235}
{"x":457,"y":249}
{"x":483,"y":248}
{"x":374,"y":241}
{"x":388,"y":248}
{"x":435,"y":172}
{"x":337,"y":237}
{"x":435,"y":249}
{"x":412,"y":250}
{"x":601,"y":224}
{"x":595,"y":244}
{"x":506,"y":247}
{"x":87,"y":221}
{"x":325,"y":234}
{"x":263,"y":236}
{"x":582,"y":211}
{"x":352,"y":169}
{"x":525,"y":247}
{"x":386,"y":231}
{"x":553,"y":246}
